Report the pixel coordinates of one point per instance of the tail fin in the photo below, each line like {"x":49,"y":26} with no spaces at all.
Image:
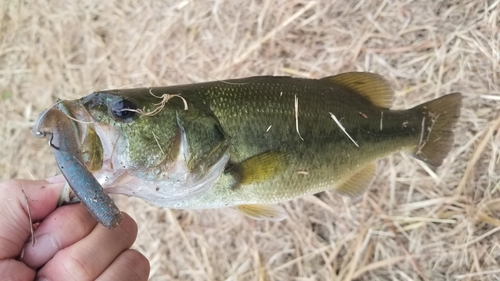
{"x":439,"y":118}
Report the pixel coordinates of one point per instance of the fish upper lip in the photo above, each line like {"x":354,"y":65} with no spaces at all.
{"x":53,"y":117}
{"x":65,"y":115}
{"x":80,"y":118}
{"x":38,"y":130}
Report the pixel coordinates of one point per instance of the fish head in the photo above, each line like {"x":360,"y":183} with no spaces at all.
{"x":135,"y":143}
{"x":118,"y":133}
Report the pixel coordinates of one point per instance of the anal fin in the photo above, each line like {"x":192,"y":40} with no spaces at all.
{"x":263,"y":212}
{"x":358,"y":183}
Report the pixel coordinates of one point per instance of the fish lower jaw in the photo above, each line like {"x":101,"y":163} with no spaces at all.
{"x":174,"y":188}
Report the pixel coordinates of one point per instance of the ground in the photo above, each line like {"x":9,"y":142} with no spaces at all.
{"x":413,"y":224}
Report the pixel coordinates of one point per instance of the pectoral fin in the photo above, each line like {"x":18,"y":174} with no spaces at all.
{"x":358,"y":183}
{"x":263,"y":212}
{"x":259,"y":168}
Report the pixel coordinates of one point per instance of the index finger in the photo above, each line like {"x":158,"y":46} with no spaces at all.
{"x":15,"y":224}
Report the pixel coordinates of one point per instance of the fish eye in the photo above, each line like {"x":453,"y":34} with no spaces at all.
{"x":123,"y":110}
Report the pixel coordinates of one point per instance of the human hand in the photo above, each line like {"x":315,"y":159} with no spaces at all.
{"x":69,"y":244}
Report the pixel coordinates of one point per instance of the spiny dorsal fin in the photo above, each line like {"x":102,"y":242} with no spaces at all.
{"x":369,"y":85}
{"x":263,"y":212}
{"x":358,"y":183}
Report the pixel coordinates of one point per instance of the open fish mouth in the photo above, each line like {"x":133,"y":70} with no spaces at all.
{"x":77,"y":151}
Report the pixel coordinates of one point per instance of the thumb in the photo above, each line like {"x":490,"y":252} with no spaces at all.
{"x":41,"y":196}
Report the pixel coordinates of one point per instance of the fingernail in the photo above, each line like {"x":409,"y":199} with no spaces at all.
{"x":44,"y":249}
{"x":56,"y":179}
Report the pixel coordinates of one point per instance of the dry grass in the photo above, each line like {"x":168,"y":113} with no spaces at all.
{"x":413,"y":224}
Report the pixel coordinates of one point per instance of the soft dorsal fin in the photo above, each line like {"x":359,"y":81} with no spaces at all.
{"x":358,"y":183}
{"x":369,"y":85}
{"x":263,"y":212}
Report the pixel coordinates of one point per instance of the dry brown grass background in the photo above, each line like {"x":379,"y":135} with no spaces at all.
{"x":413,"y":224}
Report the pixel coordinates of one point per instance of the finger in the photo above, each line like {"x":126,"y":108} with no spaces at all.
{"x":14,"y":216}
{"x":129,"y":265}
{"x":15,"y":270}
{"x":88,"y":258}
{"x":61,"y":229}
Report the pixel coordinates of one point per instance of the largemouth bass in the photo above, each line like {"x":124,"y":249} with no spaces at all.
{"x":254,"y":142}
